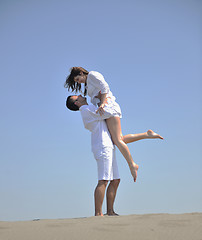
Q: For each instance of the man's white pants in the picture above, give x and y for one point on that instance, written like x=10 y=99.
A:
x=106 y=164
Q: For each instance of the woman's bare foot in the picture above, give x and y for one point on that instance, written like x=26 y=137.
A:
x=152 y=134
x=133 y=169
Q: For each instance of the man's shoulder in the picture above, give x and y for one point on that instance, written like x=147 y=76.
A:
x=88 y=114
x=86 y=108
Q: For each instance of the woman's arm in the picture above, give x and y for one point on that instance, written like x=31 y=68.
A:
x=103 y=101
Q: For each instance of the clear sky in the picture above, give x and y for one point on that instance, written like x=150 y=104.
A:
x=150 y=54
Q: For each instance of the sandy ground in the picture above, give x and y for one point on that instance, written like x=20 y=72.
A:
x=142 y=227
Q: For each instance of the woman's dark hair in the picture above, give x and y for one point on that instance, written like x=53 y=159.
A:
x=70 y=104
x=71 y=84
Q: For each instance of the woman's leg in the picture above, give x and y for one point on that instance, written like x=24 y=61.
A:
x=139 y=136
x=114 y=126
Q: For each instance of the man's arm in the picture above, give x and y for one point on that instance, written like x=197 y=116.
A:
x=89 y=113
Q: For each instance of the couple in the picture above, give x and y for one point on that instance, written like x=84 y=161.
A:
x=104 y=124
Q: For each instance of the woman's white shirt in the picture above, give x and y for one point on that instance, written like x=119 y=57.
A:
x=95 y=84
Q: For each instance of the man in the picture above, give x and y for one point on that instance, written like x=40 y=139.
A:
x=103 y=150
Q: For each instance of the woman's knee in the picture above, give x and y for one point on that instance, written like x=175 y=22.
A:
x=118 y=140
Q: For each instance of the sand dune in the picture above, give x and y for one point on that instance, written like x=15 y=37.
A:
x=142 y=227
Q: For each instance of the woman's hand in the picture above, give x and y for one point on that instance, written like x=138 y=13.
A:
x=101 y=110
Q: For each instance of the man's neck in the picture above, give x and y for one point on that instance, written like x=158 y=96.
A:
x=83 y=104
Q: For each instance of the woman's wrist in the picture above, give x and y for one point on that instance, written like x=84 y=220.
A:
x=103 y=98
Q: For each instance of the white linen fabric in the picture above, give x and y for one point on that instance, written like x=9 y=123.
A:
x=100 y=136
x=95 y=84
x=101 y=143
x=107 y=165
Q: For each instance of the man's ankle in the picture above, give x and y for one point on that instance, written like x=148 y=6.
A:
x=99 y=214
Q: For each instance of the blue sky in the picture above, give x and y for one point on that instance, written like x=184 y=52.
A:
x=150 y=54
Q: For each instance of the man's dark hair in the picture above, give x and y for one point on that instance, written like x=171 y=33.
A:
x=70 y=104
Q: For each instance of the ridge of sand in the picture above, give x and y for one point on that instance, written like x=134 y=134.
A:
x=142 y=227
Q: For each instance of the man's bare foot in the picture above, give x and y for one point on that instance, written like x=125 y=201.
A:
x=133 y=169
x=112 y=213
x=152 y=134
x=99 y=214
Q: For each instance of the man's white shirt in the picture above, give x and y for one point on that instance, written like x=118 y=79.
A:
x=100 y=136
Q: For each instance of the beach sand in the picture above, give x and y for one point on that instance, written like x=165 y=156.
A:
x=142 y=227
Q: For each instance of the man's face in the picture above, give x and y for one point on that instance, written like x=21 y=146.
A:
x=80 y=99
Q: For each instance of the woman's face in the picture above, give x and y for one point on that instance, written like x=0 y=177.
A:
x=80 y=78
